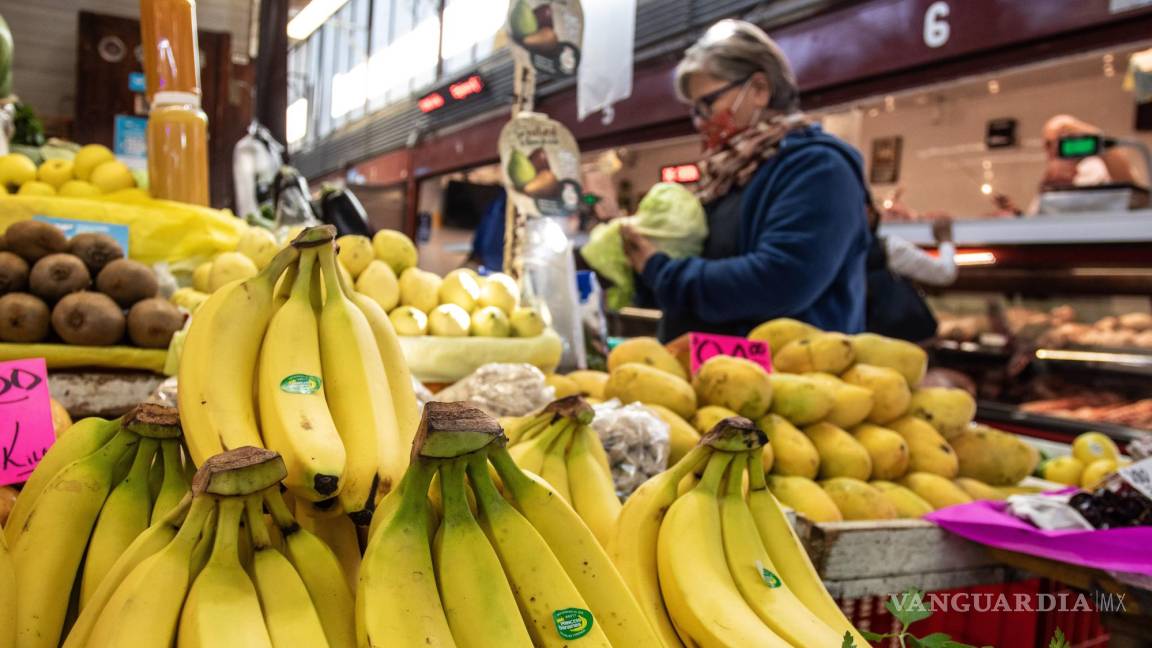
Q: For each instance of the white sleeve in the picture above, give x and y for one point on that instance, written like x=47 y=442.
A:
x=907 y=260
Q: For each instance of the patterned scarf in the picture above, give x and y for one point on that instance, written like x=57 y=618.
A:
x=735 y=162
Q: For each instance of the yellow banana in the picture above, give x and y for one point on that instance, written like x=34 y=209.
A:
x=7 y=597
x=633 y=547
x=222 y=608
x=473 y=588
x=698 y=590
x=83 y=438
x=203 y=549
x=584 y=560
x=553 y=609
x=757 y=578
x=596 y=446
x=154 y=539
x=174 y=485
x=294 y=415
x=397 y=601
x=339 y=533
x=289 y=613
x=789 y=555
x=124 y=516
x=554 y=469
x=320 y=570
x=218 y=365
x=526 y=427
x=358 y=397
x=48 y=553
x=399 y=377
x=530 y=454
x=593 y=494
x=145 y=607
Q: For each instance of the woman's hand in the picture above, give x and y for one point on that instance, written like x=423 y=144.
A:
x=637 y=246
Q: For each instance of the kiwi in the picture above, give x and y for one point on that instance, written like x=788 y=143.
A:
x=89 y=319
x=152 y=322
x=96 y=250
x=32 y=240
x=57 y=275
x=13 y=273
x=127 y=282
x=23 y=318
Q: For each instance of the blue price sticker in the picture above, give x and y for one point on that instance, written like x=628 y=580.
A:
x=71 y=227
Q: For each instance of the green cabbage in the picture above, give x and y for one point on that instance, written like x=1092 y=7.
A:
x=669 y=215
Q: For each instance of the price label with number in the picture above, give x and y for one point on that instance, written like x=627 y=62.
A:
x=1139 y=475
x=705 y=345
x=25 y=418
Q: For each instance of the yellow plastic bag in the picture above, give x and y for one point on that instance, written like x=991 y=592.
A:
x=159 y=230
x=448 y=359
x=67 y=356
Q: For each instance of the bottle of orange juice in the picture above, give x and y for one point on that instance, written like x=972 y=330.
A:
x=178 y=148
x=171 y=52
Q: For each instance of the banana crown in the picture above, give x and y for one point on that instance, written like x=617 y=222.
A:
x=153 y=420
x=735 y=434
x=243 y=471
x=450 y=430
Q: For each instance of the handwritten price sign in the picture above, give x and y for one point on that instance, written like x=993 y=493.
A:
x=706 y=345
x=25 y=418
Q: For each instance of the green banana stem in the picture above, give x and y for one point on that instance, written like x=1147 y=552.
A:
x=331 y=274
x=452 y=489
x=200 y=509
x=254 y=512
x=226 y=547
x=756 y=477
x=714 y=473
x=284 y=258
x=203 y=548
x=735 y=484
x=690 y=462
x=279 y=510
x=482 y=484
x=511 y=474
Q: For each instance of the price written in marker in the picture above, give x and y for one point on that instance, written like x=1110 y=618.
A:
x=26 y=430
x=705 y=345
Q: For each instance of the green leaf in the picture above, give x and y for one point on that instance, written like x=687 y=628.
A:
x=873 y=636
x=908 y=607
x=1059 y=640
x=848 y=641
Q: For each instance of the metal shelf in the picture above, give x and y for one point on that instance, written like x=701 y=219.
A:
x=1065 y=427
x=1114 y=227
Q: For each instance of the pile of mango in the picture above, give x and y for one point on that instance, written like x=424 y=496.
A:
x=852 y=434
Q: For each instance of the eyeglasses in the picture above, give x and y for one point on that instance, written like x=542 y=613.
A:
x=702 y=107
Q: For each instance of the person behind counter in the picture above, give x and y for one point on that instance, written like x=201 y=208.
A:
x=785 y=201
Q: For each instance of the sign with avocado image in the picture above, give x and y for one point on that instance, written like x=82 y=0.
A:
x=540 y=164
x=547 y=34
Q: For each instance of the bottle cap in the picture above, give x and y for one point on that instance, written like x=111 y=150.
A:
x=176 y=98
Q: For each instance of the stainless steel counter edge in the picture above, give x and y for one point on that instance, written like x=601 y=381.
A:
x=1114 y=227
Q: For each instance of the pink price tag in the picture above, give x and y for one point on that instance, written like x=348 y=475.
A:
x=706 y=345
x=26 y=430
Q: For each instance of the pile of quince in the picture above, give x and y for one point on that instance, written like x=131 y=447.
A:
x=94 y=171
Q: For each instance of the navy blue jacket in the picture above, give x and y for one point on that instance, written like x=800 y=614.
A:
x=803 y=241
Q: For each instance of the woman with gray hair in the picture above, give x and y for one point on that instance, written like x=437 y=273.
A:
x=785 y=201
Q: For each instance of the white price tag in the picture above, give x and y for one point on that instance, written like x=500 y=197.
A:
x=1139 y=475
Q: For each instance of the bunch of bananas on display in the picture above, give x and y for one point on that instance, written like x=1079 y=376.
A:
x=520 y=569
x=294 y=360
x=559 y=445
x=96 y=490
x=216 y=571
x=712 y=558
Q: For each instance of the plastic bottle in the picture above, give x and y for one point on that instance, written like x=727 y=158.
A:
x=178 y=148
x=171 y=51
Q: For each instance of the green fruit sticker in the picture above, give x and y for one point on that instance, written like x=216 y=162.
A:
x=572 y=623
x=770 y=579
x=300 y=384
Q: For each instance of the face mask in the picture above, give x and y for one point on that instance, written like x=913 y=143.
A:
x=721 y=125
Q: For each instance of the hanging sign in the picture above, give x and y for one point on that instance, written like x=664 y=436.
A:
x=547 y=34
x=540 y=166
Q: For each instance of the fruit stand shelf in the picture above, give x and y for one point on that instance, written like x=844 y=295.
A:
x=106 y=394
x=1010 y=418
x=877 y=558
x=1114 y=227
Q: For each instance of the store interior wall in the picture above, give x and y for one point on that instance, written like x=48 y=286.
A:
x=944 y=160
x=45 y=36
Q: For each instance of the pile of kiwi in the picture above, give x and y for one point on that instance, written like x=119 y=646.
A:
x=80 y=291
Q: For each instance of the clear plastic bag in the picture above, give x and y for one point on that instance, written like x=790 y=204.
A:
x=501 y=390
x=636 y=440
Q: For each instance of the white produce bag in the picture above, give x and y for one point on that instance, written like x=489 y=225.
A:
x=605 y=75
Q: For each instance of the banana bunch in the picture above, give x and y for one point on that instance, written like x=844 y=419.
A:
x=92 y=495
x=560 y=445
x=518 y=568
x=216 y=571
x=713 y=560
x=295 y=361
